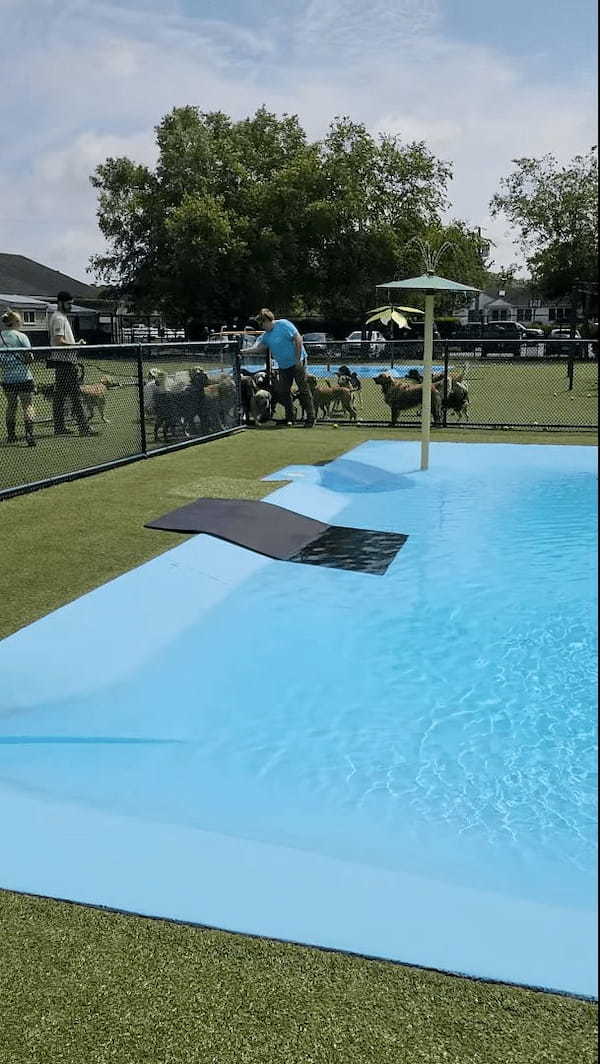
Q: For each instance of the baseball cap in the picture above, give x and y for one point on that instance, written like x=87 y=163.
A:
x=64 y=297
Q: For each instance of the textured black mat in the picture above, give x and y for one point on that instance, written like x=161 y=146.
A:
x=285 y=535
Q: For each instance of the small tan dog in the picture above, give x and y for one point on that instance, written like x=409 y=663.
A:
x=326 y=395
x=93 y=397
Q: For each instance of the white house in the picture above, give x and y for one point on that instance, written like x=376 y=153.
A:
x=36 y=312
x=514 y=304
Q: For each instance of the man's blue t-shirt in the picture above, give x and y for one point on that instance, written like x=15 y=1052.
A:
x=280 y=341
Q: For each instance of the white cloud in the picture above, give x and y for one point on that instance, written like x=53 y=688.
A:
x=98 y=78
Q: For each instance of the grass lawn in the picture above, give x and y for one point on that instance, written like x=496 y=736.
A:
x=84 y=986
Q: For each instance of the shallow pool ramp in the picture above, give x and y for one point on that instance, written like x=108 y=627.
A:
x=397 y=765
x=284 y=534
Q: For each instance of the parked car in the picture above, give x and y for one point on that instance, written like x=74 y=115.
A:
x=502 y=337
x=355 y=347
x=469 y=331
x=534 y=333
x=317 y=344
x=562 y=344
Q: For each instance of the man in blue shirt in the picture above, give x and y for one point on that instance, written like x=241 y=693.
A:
x=282 y=341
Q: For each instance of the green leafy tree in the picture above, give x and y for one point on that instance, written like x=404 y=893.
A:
x=554 y=209
x=238 y=214
x=375 y=194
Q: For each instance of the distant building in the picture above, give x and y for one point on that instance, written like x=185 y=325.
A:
x=36 y=313
x=514 y=304
x=31 y=288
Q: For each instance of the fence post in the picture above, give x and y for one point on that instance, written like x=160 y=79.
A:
x=140 y=377
x=444 y=401
x=237 y=376
x=570 y=371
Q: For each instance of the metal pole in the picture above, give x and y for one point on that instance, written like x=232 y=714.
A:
x=570 y=372
x=140 y=377
x=237 y=363
x=427 y=361
x=445 y=408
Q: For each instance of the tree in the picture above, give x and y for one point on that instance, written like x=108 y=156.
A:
x=198 y=236
x=239 y=214
x=376 y=195
x=554 y=209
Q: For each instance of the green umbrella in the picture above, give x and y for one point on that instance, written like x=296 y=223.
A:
x=430 y=284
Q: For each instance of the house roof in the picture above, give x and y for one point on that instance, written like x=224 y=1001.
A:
x=17 y=302
x=24 y=277
x=518 y=297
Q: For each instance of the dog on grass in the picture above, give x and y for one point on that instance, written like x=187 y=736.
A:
x=325 y=396
x=347 y=378
x=402 y=395
x=181 y=409
x=93 y=396
x=168 y=414
x=256 y=402
x=457 y=398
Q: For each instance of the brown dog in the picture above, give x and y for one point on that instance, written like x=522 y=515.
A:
x=326 y=395
x=400 y=395
x=93 y=396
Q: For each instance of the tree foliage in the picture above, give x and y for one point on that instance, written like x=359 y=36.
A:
x=555 y=211
x=236 y=215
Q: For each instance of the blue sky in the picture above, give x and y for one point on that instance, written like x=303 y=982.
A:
x=481 y=83
x=532 y=29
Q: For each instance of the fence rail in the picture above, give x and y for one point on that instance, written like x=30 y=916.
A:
x=110 y=407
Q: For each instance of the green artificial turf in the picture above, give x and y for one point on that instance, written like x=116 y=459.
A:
x=83 y=986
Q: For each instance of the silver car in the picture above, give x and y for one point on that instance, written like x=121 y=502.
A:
x=355 y=347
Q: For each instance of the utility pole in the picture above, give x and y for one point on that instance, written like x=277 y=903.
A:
x=483 y=250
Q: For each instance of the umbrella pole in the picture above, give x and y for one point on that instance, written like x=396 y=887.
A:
x=427 y=361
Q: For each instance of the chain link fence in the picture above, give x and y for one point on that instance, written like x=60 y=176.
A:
x=106 y=405
x=121 y=402
x=482 y=384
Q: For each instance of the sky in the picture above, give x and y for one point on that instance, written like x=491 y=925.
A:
x=481 y=83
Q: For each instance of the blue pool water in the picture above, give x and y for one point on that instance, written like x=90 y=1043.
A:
x=370 y=369
x=432 y=730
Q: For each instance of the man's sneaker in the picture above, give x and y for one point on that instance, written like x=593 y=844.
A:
x=63 y=432
x=88 y=432
x=309 y=424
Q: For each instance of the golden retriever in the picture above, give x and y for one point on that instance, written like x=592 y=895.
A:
x=93 y=396
x=325 y=396
x=402 y=395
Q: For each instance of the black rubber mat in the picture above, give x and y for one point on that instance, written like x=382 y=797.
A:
x=285 y=535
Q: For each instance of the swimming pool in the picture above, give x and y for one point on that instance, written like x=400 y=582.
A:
x=399 y=765
x=370 y=369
